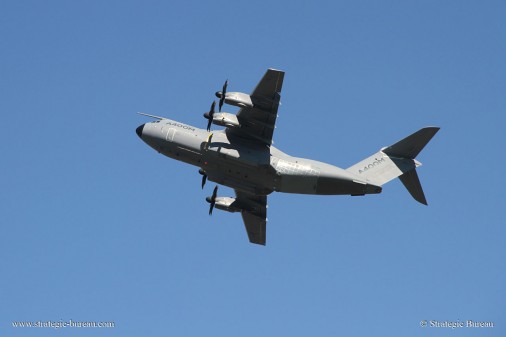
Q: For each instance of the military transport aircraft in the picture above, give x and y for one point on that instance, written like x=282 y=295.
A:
x=242 y=157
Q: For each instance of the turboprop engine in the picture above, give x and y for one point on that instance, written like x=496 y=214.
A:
x=220 y=118
x=228 y=204
x=225 y=204
x=226 y=119
x=239 y=99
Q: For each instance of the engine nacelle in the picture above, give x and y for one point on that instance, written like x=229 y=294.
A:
x=226 y=119
x=233 y=205
x=239 y=99
x=227 y=204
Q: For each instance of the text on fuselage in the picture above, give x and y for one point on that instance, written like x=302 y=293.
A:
x=375 y=163
x=179 y=125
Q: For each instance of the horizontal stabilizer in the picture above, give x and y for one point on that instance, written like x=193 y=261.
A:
x=411 y=146
x=412 y=183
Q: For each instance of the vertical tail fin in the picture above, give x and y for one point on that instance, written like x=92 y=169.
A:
x=397 y=160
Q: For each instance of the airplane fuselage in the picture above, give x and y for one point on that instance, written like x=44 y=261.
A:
x=247 y=166
x=242 y=157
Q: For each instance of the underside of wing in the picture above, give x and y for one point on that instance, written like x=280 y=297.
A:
x=254 y=215
x=256 y=227
x=258 y=122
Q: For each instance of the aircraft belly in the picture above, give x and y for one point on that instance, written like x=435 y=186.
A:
x=340 y=182
x=230 y=173
x=298 y=184
x=303 y=176
x=296 y=177
x=226 y=168
x=183 y=154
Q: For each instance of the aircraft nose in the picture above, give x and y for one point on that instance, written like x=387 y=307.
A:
x=138 y=131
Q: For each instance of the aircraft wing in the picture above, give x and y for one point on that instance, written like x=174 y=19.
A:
x=255 y=217
x=258 y=122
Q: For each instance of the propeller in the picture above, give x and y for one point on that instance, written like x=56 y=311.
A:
x=204 y=177
x=209 y=115
x=221 y=94
x=212 y=199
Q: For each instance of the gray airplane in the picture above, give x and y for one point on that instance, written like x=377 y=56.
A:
x=242 y=157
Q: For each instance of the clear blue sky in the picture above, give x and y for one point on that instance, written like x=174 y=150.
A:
x=96 y=226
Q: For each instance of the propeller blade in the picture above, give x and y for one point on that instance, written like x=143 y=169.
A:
x=212 y=200
x=209 y=116
x=223 y=93
x=203 y=173
x=204 y=178
x=225 y=87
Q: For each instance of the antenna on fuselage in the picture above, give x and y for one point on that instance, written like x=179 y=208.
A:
x=152 y=116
